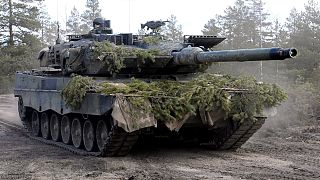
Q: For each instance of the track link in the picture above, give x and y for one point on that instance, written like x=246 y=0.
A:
x=119 y=143
x=242 y=134
x=64 y=146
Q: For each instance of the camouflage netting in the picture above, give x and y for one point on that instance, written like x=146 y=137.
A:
x=76 y=90
x=109 y=51
x=152 y=40
x=172 y=101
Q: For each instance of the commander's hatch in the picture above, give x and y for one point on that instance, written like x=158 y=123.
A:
x=201 y=40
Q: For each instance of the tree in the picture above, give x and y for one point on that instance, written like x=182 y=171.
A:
x=74 y=22
x=245 y=26
x=92 y=11
x=304 y=29
x=20 y=23
x=172 y=30
x=12 y=59
x=18 y=19
x=48 y=33
x=261 y=34
x=212 y=28
x=51 y=32
x=280 y=36
x=236 y=25
x=142 y=31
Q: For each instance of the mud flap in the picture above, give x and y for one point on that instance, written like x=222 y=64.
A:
x=129 y=118
x=176 y=125
x=210 y=118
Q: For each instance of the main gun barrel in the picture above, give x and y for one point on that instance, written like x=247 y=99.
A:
x=195 y=55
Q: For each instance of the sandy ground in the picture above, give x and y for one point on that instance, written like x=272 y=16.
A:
x=285 y=151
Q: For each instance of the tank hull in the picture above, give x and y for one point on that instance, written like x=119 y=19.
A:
x=44 y=93
x=92 y=130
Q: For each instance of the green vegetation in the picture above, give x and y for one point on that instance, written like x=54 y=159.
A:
x=19 y=43
x=14 y=59
x=172 y=100
x=172 y=30
x=115 y=54
x=151 y=40
x=76 y=90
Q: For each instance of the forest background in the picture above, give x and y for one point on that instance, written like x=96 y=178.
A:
x=26 y=28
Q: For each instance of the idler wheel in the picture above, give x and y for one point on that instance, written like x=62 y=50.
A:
x=35 y=123
x=101 y=134
x=66 y=130
x=88 y=136
x=76 y=133
x=55 y=127
x=45 y=125
x=22 y=110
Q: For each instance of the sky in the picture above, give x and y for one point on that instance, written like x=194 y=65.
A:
x=127 y=15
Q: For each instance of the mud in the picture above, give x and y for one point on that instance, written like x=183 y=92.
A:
x=289 y=152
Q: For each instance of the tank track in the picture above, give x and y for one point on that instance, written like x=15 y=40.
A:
x=242 y=134
x=119 y=143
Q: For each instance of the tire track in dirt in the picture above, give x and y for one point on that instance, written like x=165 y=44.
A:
x=290 y=153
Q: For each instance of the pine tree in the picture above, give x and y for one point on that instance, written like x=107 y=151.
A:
x=92 y=11
x=236 y=26
x=74 y=23
x=18 y=21
x=48 y=27
x=51 y=32
x=172 y=30
x=212 y=28
x=261 y=34
x=241 y=24
x=304 y=29
x=280 y=36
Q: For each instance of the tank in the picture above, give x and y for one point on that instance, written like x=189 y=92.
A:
x=100 y=124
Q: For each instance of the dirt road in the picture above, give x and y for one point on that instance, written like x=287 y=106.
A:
x=289 y=152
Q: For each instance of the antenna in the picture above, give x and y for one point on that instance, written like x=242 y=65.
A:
x=57 y=11
x=65 y=13
x=129 y=15
x=58 y=41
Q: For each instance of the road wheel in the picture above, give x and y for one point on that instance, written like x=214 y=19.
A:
x=55 y=127
x=89 y=139
x=45 y=125
x=101 y=134
x=66 y=130
x=76 y=133
x=35 y=125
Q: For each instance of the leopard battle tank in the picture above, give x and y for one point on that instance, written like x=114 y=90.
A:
x=105 y=123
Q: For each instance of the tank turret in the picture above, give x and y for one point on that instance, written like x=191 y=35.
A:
x=101 y=53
